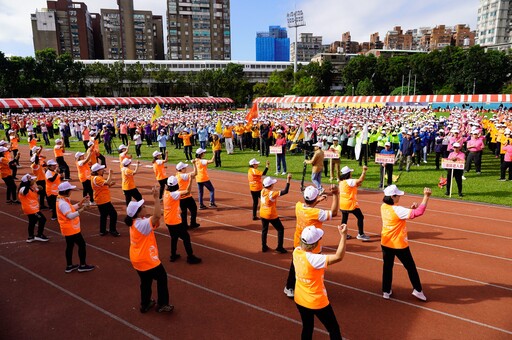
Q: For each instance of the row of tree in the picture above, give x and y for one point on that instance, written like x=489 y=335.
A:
x=449 y=71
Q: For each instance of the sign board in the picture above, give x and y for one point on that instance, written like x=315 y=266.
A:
x=384 y=158
x=448 y=164
x=276 y=150
x=329 y=154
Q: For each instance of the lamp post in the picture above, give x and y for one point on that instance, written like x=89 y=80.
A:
x=474 y=85
x=295 y=20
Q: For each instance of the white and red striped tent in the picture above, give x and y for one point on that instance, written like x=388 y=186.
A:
x=42 y=103
x=449 y=98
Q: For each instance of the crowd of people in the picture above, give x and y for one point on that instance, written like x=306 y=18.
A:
x=326 y=137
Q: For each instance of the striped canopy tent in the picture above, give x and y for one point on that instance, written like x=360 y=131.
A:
x=43 y=103
x=454 y=98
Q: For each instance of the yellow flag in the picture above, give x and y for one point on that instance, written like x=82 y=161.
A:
x=157 y=113
x=218 y=127
x=115 y=123
x=299 y=135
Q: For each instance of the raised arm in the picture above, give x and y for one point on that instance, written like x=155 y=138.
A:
x=340 y=252
x=157 y=211
x=360 y=180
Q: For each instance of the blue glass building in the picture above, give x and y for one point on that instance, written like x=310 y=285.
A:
x=273 y=45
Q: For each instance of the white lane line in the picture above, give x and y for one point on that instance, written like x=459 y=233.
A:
x=79 y=298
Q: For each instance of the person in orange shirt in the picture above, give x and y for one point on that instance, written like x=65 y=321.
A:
x=6 y=173
x=308 y=214
x=101 y=192
x=14 y=140
x=144 y=254
x=239 y=131
x=228 y=138
x=128 y=182
x=348 y=200
x=58 y=151
x=68 y=216
x=32 y=141
x=52 y=178
x=159 y=170
x=84 y=173
x=255 y=184
x=187 y=144
x=172 y=217
x=268 y=212
x=187 y=202
x=310 y=293
x=202 y=178
x=217 y=149
x=394 y=241
x=38 y=169
x=28 y=196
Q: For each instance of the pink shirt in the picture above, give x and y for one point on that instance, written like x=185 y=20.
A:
x=456 y=156
x=508 y=153
x=475 y=145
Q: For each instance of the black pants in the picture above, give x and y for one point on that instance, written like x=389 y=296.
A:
x=33 y=219
x=504 y=167
x=218 y=162
x=179 y=231
x=363 y=155
x=474 y=157
x=255 y=201
x=188 y=152
x=11 y=188
x=290 y=282
x=124 y=138
x=386 y=169
x=188 y=204
x=132 y=193
x=42 y=193
x=87 y=189
x=278 y=225
x=63 y=166
x=162 y=183
x=405 y=256
x=457 y=174
x=326 y=317
x=107 y=210
x=70 y=244
x=137 y=150
x=52 y=201
x=358 y=214
x=146 y=280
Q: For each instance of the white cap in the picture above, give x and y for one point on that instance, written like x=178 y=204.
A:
x=3 y=149
x=64 y=186
x=28 y=178
x=253 y=161
x=200 y=151
x=121 y=147
x=35 y=149
x=387 y=144
x=279 y=131
x=324 y=138
x=311 y=235
x=132 y=207
x=58 y=140
x=156 y=153
x=318 y=144
x=180 y=166
x=79 y=154
x=127 y=161
x=97 y=166
x=3 y=142
x=455 y=130
x=392 y=190
x=172 y=180
x=335 y=138
x=268 y=181
x=91 y=143
x=51 y=162
x=456 y=145
x=345 y=170
x=310 y=193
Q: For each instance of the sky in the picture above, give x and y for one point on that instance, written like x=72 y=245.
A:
x=327 y=18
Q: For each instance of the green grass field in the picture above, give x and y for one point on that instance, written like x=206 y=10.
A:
x=479 y=188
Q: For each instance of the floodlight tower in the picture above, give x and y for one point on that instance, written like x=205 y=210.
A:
x=295 y=20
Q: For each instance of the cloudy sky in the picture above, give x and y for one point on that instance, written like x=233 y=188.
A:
x=328 y=18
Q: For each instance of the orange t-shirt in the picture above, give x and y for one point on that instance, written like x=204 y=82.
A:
x=216 y=145
x=172 y=211
x=186 y=139
x=143 y=247
x=84 y=170
x=101 y=191
x=254 y=177
x=29 y=202
x=128 y=181
x=227 y=133
x=268 y=201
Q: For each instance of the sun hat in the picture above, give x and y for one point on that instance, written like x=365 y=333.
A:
x=311 y=235
x=253 y=161
x=268 y=181
x=97 y=166
x=180 y=166
x=392 y=190
x=200 y=151
x=79 y=154
x=345 y=170
x=133 y=207
x=156 y=153
x=64 y=186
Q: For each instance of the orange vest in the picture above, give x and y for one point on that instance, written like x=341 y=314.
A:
x=348 y=196
x=128 y=182
x=14 y=143
x=309 y=291
x=101 y=191
x=254 y=177
x=394 y=229
x=159 y=169
x=143 y=249
x=38 y=171
x=172 y=211
x=307 y=216
x=216 y=145
x=52 y=188
x=84 y=171
x=29 y=202
x=58 y=151
x=67 y=227
x=186 y=139
x=32 y=143
x=183 y=184
x=4 y=167
x=202 y=171
x=268 y=200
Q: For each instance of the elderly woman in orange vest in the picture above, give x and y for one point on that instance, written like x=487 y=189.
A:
x=101 y=191
x=52 y=178
x=394 y=240
x=203 y=180
x=348 y=200
x=159 y=170
x=144 y=254
x=7 y=177
x=172 y=217
x=255 y=184
x=58 y=151
x=29 y=198
x=38 y=169
x=217 y=149
x=187 y=202
x=310 y=293
x=68 y=216
x=128 y=182
x=84 y=172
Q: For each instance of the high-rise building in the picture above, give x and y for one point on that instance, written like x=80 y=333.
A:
x=307 y=47
x=397 y=40
x=198 y=30
x=65 y=26
x=494 y=23
x=440 y=37
x=273 y=45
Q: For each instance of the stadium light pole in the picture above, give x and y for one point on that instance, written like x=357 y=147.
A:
x=295 y=20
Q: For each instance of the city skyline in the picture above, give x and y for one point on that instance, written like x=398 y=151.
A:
x=328 y=18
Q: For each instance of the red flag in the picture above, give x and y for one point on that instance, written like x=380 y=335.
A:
x=253 y=113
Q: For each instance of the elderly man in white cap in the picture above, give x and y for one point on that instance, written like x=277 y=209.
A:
x=101 y=194
x=202 y=178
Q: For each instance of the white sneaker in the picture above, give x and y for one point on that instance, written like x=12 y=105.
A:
x=276 y=173
x=283 y=173
x=364 y=237
x=387 y=295
x=463 y=178
x=419 y=295
x=289 y=292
